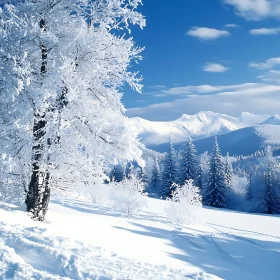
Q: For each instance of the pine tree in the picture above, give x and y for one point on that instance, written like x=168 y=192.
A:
x=215 y=191
x=141 y=174
x=228 y=171
x=199 y=179
x=117 y=174
x=170 y=172
x=248 y=194
x=156 y=181
x=128 y=170
x=271 y=199
x=189 y=165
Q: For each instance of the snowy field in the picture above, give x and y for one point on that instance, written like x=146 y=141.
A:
x=83 y=241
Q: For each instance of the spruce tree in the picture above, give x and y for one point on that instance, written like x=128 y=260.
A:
x=199 y=178
x=248 y=194
x=128 y=170
x=170 y=172
x=228 y=172
x=156 y=181
x=189 y=169
x=215 y=190
x=117 y=173
x=271 y=199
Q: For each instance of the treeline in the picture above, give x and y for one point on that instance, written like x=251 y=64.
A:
x=247 y=184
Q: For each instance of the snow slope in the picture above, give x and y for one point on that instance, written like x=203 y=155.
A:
x=203 y=124
x=83 y=241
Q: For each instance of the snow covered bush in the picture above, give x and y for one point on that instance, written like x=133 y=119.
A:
x=184 y=202
x=128 y=196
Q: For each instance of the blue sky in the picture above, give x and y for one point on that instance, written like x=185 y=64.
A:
x=218 y=55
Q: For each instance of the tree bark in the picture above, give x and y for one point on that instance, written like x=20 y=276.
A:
x=38 y=195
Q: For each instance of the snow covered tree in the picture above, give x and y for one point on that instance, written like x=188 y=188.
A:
x=169 y=175
x=128 y=195
x=216 y=188
x=189 y=168
x=62 y=65
x=228 y=171
x=271 y=201
x=156 y=181
x=128 y=170
x=248 y=193
x=184 y=199
x=117 y=173
x=203 y=171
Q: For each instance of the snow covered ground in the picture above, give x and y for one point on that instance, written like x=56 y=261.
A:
x=83 y=241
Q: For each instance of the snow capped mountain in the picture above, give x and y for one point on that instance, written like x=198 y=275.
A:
x=200 y=125
x=251 y=119
x=273 y=120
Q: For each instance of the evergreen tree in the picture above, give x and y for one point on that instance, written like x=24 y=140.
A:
x=215 y=191
x=117 y=174
x=189 y=165
x=141 y=173
x=228 y=172
x=170 y=172
x=248 y=194
x=199 y=178
x=128 y=170
x=271 y=199
x=156 y=181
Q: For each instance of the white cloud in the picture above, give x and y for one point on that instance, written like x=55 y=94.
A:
x=256 y=9
x=203 y=89
x=215 y=68
x=257 y=98
x=271 y=76
x=268 y=64
x=265 y=31
x=231 y=25
x=205 y=33
x=157 y=87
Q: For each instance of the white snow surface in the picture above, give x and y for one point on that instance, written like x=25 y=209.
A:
x=80 y=240
x=200 y=125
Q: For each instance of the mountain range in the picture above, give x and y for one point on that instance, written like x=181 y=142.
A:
x=241 y=135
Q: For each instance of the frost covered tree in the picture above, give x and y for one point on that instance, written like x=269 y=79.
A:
x=128 y=170
x=228 y=171
x=216 y=188
x=263 y=191
x=169 y=175
x=117 y=173
x=271 y=201
x=62 y=64
x=156 y=180
x=183 y=202
x=203 y=171
x=128 y=195
x=248 y=194
x=189 y=168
